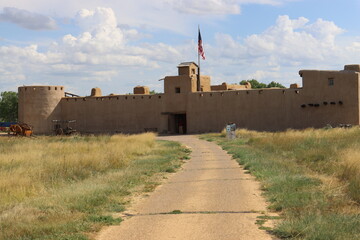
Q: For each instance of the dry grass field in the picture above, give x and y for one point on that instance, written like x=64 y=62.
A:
x=334 y=153
x=311 y=177
x=68 y=187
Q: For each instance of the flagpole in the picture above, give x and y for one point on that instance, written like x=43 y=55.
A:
x=198 y=77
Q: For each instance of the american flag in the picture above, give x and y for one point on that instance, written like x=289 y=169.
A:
x=200 y=47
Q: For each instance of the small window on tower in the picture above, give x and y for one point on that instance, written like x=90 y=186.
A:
x=193 y=71
x=177 y=90
x=331 y=82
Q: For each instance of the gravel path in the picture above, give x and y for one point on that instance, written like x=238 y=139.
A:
x=215 y=200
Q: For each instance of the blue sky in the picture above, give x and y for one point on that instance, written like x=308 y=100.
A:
x=116 y=45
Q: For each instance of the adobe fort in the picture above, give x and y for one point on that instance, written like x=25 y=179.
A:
x=326 y=97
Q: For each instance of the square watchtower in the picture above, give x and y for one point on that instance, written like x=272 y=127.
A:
x=186 y=81
x=188 y=68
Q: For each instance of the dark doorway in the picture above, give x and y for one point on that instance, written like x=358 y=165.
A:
x=180 y=123
x=177 y=124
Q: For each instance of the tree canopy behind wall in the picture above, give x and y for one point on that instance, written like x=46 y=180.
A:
x=255 y=84
x=8 y=107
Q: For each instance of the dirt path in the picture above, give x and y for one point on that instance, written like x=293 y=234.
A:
x=216 y=198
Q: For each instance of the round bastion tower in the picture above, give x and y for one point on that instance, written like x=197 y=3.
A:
x=39 y=105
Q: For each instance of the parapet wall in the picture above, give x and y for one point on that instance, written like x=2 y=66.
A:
x=269 y=110
x=224 y=86
x=274 y=109
x=116 y=114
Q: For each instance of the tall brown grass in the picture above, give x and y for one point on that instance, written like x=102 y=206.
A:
x=28 y=167
x=66 y=187
x=350 y=171
x=333 y=152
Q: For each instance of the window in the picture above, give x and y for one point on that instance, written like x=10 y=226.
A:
x=177 y=90
x=331 y=82
x=193 y=71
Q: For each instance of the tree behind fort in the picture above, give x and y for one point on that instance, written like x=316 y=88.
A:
x=8 y=107
x=255 y=84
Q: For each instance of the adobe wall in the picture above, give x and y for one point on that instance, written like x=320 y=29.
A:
x=339 y=103
x=39 y=105
x=141 y=90
x=177 y=102
x=252 y=109
x=314 y=105
x=116 y=114
x=225 y=86
x=327 y=97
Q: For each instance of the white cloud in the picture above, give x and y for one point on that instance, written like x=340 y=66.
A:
x=295 y=40
x=13 y=54
x=103 y=51
x=324 y=31
x=100 y=52
x=281 y=50
x=145 y=13
x=288 y=41
x=207 y=7
x=262 y=75
x=27 y=19
x=100 y=19
x=103 y=42
x=267 y=2
x=218 y=7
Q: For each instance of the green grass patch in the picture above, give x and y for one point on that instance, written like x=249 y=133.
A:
x=106 y=220
x=310 y=177
x=176 y=212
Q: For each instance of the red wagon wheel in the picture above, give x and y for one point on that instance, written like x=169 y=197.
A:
x=16 y=129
